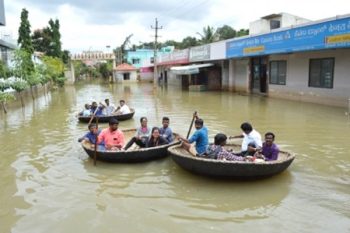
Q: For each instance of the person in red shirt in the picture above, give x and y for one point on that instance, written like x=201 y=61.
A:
x=112 y=137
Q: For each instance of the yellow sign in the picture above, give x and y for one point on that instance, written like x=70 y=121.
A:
x=254 y=49
x=338 y=39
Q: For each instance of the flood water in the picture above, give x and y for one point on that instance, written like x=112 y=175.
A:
x=48 y=183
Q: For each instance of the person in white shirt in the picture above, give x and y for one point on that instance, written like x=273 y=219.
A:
x=251 y=139
x=108 y=108
x=122 y=109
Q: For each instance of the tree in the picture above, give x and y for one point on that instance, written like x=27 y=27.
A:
x=242 y=32
x=188 y=42
x=25 y=42
x=65 y=56
x=24 y=39
x=225 y=32
x=55 y=46
x=208 y=35
x=41 y=40
x=4 y=98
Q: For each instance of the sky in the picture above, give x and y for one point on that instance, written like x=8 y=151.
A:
x=101 y=25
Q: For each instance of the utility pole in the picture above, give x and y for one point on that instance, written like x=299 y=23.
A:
x=155 y=52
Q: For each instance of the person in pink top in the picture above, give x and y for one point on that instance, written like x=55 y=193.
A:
x=112 y=137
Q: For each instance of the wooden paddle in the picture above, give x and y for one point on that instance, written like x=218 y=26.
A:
x=93 y=115
x=96 y=137
x=189 y=130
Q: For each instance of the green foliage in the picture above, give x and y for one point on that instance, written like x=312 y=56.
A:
x=225 y=32
x=19 y=84
x=4 y=84
x=66 y=56
x=55 y=45
x=4 y=70
x=208 y=35
x=105 y=69
x=54 y=68
x=24 y=39
x=41 y=39
x=5 y=97
x=23 y=64
x=188 y=42
x=242 y=32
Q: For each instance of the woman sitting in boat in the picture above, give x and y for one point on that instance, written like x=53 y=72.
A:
x=155 y=139
x=142 y=134
x=112 y=137
x=217 y=150
x=269 y=150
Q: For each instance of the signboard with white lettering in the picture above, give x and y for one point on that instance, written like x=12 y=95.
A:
x=200 y=53
x=325 y=35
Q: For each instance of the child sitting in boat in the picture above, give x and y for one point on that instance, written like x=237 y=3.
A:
x=155 y=139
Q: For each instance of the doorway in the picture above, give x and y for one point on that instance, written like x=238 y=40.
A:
x=258 y=75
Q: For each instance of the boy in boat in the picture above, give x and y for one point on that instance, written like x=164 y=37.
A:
x=112 y=137
x=165 y=131
x=200 y=137
x=91 y=135
x=142 y=134
x=251 y=139
x=122 y=109
x=269 y=150
x=86 y=111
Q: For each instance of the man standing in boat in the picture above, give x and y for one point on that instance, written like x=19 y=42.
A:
x=200 y=137
x=251 y=139
x=112 y=137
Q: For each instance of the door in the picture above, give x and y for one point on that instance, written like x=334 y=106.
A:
x=258 y=78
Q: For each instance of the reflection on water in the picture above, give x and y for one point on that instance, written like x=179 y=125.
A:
x=50 y=185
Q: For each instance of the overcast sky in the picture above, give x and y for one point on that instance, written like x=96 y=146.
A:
x=94 y=24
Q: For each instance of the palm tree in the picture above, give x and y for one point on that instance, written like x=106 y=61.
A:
x=208 y=35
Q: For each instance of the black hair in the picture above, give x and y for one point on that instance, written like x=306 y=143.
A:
x=270 y=133
x=199 y=121
x=219 y=138
x=141 y=119
x=91 y=125
x=106 y=100
x=246 y=127
x=165 y=119
x=122 y=101
x=113 y=121
x=153 y=129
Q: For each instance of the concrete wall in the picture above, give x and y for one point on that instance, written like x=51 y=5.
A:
x=297 y=79
x=225 y=75
x=239 y=75
x=118 y=76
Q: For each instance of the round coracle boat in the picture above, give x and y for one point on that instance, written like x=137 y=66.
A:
x=230 y=169
x=104 y=119
x=133 y=155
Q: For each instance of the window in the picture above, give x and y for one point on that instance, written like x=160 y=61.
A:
x=278 y=72
x=135 y=61
x=321 y=72
x=126 y=76
x=275 y=24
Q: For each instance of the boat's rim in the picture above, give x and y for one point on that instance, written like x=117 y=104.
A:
x=290 y=156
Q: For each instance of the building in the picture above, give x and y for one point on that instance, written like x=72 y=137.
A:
x=125 y=73
x=285 y=56
x=6 y=42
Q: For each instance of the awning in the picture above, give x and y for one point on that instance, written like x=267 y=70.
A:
x=190 y=69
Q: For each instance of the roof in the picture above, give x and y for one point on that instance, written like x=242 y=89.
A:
x=125 y=67
x=190 y=69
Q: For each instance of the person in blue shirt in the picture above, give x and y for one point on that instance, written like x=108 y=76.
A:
x=96 y=110
x=165 y=131
x=200 y=137
x=91 y=135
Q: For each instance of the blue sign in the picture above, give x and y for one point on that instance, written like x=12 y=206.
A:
x=330 y=34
